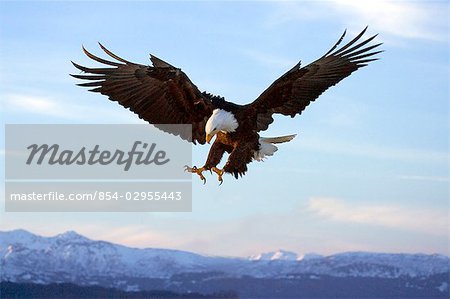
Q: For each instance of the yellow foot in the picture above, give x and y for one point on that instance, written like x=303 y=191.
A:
x=219 y=173
x=196 y=170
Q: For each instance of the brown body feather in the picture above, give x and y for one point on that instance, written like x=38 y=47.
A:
x=241 y=145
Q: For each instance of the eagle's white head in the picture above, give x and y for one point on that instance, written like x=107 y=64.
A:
x=220 y=120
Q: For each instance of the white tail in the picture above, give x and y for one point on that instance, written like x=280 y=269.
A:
x=280 y=139
x=267 y=147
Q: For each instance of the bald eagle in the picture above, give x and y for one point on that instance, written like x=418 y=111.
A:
x=163 y=94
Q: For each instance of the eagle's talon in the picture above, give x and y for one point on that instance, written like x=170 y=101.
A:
x=219 y=173
x=192 y=169
x=196 y=170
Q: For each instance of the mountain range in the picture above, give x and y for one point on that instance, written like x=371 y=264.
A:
x=72 y=258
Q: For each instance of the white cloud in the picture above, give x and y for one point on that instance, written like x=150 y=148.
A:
x=138 y=236
x=37 y=105
x=439 y=179
x=269 y=60
x=298 y=230
x=48 y=106
x=428 y=221
x=405 y=19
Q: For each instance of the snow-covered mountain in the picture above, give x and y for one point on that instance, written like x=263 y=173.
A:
x=70 y=257
x=280 y=254
x=283 y=255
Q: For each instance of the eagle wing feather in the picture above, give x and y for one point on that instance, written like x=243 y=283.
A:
x=160 y=94
x=296 y=89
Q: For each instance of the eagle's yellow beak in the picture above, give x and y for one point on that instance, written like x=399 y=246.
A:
x=209 y=137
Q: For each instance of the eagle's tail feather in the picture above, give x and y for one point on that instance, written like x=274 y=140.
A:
x=267 y=147
x=280 y=139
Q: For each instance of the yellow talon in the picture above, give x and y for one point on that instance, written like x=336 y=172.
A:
x=219 y=173
x=196 y=170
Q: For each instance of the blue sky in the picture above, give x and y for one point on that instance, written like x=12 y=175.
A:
x=369 y=169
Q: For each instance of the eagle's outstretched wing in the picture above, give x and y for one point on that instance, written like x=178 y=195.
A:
x=296 y=89
x=159 y=94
